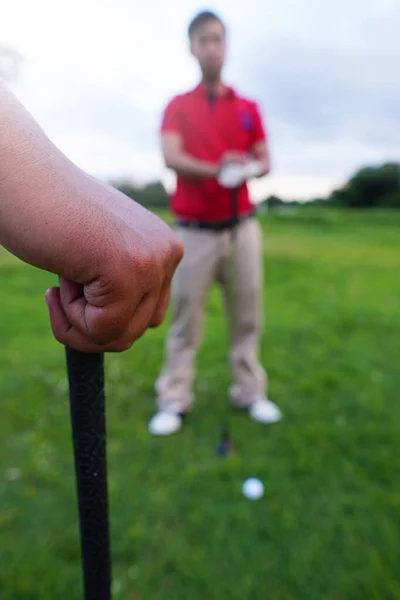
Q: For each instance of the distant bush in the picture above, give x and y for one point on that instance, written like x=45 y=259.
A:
x=274 y=202
x=152 y=195
x=370 y=187
x=390 y=201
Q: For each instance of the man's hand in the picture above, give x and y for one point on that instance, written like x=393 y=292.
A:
x=115 y=259
x=131 y=289
x=235 y=169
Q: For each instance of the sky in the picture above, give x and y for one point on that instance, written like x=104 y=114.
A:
x=97 y=74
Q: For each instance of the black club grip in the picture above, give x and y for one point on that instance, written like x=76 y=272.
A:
x=88 y=418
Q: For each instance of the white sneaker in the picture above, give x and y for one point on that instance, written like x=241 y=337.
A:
x=264 y=411
x=165 y=423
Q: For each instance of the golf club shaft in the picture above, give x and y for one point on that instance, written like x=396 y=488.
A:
x=87 y=404
x=226 y=428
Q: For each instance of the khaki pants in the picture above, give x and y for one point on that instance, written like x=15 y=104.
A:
x=207 y=259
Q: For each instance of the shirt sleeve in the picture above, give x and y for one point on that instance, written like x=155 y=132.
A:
x=259 y=131
x=172 y=117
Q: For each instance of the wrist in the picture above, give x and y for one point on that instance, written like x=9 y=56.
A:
x=212 y=170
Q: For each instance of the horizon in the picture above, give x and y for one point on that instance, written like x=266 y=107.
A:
x=329 y=97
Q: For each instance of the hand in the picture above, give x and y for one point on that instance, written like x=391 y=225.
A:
x=233 y=158
x=115 y=259
x=132 y=289
x=236 y=168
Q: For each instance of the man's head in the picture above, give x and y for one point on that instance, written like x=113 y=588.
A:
x=207 y=43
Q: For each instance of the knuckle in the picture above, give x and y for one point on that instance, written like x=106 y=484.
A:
x=59 y=333
x=138 y=330
x=171 y=256
x=59 y=336
x=127 y=341
x=177 y=250
x=146 y=272
x=124 y=345
x=139 y=333
x=157 y=320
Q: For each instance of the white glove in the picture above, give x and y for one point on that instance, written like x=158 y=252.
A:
x=233 y=175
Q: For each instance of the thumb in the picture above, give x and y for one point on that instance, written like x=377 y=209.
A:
x=63 y=331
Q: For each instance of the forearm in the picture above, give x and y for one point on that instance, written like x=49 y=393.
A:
x=265 y=165
x=47 y=204
x=187 y=166
x=260 y=152
x=265 y=168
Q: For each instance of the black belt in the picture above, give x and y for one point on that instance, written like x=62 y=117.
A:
x=213 y=225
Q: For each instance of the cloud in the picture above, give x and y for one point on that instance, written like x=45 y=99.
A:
x=332 y=101
x=323 y=92
x=97 y=76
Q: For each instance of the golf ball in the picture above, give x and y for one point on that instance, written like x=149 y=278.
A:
x=253 y=488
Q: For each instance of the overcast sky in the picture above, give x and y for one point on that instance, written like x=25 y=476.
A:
x=97 y=74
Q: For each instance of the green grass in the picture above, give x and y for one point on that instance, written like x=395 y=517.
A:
x=328 y=526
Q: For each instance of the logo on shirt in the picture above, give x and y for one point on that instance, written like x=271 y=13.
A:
x=246 y=121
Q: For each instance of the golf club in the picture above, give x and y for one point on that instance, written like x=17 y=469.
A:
x=232 y=176
x=88 y=419
x=225 y=445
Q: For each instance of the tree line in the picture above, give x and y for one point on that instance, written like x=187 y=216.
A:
x=369 y=187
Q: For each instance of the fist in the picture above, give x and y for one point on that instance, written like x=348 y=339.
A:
x=117 y=283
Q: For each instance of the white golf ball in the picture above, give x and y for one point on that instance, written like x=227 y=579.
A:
x=253 y=488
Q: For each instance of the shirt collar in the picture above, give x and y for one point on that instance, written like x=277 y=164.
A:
x=227 y=91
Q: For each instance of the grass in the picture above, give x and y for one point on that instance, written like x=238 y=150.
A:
x=328 y=525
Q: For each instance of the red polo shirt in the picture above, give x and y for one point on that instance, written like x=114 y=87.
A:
x=209 y=128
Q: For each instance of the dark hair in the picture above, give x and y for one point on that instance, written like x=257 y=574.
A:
x=200 y=19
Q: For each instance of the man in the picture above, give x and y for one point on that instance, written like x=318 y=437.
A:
x=203 y=130
x=115 y=259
